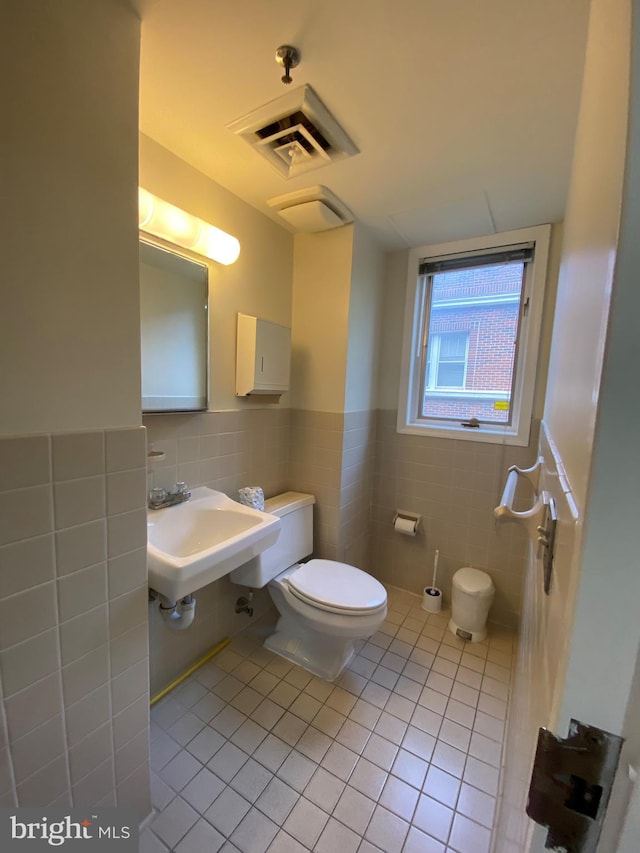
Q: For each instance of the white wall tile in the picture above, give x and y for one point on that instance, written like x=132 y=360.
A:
x=127 y=572
x=27 y=613
x=125 y=448
x=82 y=591
x=87 y=714
x=24 y=461
x=46 y=785
x=34 y=705
x=27 y=563
x=25 y=513
x=90 y=752
x=126 y=532
x=28 y=662
x=77 y=455
x=83 y=634
x=85 y=675
x=41 y=746
x=80 y=547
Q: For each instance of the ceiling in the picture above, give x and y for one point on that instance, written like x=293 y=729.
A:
x=464 y=111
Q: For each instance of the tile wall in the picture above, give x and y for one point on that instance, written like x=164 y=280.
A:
x=315 y=466
x=332 y=457
x=225 y=451
x=74 y=713
x=538 y=666
x=454 y=486
x=356 y=487
x=327 y=454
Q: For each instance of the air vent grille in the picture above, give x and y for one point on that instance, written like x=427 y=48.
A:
x=296 y=133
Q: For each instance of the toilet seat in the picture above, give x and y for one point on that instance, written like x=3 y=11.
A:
x=337 y=588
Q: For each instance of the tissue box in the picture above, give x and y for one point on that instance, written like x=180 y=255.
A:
x=252 y=496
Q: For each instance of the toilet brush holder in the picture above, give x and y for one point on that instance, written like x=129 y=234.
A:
x=432 y=599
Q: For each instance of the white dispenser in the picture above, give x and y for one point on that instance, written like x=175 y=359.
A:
x=263 y=357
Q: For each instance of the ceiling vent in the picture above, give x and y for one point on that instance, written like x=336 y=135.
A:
x=311 y=210
x=296 y=133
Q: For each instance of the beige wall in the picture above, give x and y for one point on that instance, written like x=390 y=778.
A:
x=259 y=283
x=592 y=463
x=70 y=315
x=365 y=315
x=453 y=485
x=589 y=246
x=587 y=425
x=609 y=581
x=320 y=312
x=73 y=643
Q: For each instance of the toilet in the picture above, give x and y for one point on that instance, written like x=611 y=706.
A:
x=472 y=595
x=325 y=607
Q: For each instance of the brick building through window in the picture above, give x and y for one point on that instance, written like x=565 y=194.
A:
x=470 y=342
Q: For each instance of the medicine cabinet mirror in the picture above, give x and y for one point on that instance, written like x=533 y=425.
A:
x=174 y=323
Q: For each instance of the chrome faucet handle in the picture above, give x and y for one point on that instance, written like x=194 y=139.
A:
x=157 y=495
x=180 y=488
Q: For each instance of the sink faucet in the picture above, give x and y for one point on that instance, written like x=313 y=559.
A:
x=161 y=498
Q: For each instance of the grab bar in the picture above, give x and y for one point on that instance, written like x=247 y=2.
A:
x=540 y=520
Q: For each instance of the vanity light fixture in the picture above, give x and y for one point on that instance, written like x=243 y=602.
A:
x=170 y=223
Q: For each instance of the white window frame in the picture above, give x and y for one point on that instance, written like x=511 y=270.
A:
x=516 y=432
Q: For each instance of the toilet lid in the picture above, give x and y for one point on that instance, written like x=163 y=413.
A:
x=473 y=581
x=337 y=587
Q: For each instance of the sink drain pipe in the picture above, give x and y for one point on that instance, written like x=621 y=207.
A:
x=177 y=614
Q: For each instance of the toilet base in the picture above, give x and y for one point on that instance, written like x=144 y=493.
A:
x=320 y=654
x=470 y=636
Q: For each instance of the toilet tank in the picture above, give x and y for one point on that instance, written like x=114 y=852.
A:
x=295 y=511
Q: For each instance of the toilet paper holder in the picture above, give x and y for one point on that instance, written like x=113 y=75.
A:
x=406 y=522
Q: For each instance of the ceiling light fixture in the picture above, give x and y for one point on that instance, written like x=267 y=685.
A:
x=288 y=57
x=170 y=223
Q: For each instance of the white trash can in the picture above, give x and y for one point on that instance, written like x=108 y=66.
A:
x=471 y=597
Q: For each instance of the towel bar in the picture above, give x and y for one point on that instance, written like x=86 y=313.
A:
x=540 y=520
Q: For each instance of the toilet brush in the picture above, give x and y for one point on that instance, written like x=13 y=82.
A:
x=432 y=596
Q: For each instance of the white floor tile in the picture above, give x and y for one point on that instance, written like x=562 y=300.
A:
x=336 y=836
x=254 y=833
x=297 y=770
x=227 y=811
x=401 y=755
x=433 y=817
x=354 y=809
x=202 y=790
x=324 y=789
x=251 y=780
x=174 y=822
x=277 y=800
x=201 y=837
x=399 y=798
x=387 y=830
x=306 y=822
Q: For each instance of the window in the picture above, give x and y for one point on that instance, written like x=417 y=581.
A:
x=472 y=325
x=446 y=362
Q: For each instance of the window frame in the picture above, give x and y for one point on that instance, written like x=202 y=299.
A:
x=526 y=361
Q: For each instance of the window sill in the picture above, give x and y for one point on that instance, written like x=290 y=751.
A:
x=498 y=435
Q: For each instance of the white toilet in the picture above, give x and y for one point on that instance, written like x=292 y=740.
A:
x=325 y=607
x=471 y=597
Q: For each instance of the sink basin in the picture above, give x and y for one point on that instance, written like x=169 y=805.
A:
x=194 y=543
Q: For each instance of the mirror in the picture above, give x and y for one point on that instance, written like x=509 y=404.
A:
x=173 y=320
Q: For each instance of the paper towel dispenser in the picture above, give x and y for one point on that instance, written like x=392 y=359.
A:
x=263 y=357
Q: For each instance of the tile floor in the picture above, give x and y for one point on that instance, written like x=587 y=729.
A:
x=402 y=753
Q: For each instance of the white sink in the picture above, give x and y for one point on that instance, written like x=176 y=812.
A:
x=194 y=543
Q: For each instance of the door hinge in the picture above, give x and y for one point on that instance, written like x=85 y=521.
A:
x=571 y=784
